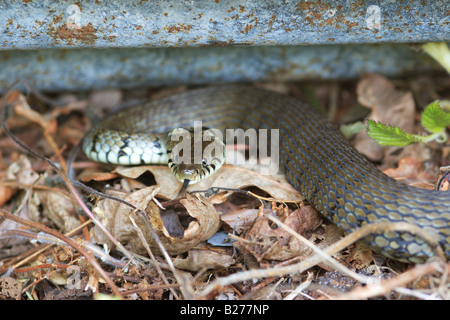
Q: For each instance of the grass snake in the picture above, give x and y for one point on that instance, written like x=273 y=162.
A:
x=340 y=182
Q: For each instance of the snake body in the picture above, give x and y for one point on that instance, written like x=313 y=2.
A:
x=341 y=183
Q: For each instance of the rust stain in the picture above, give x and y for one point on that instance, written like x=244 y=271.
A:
x=58 y=19
x=351 y=25
x=181 y=27
x=271 y=21
x=247 y=28
x=111 y=38
x=27 y=1
x=85 y=34
x=250 y=26
x=314 y=6
x=313 y=12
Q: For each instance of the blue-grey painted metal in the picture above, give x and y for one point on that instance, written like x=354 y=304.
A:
x=37 y=24
x=86 y=69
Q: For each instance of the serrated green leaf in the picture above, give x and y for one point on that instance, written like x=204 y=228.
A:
x=390 y=136
x=434 y=119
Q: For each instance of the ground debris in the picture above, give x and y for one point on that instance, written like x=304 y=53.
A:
x=264 y=260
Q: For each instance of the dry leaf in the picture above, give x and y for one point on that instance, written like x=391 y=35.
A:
x=10 y=288
x=19 y=172
x=56 y=206
x=200 y=222
x=197 y=260
x=169 y=184
x=91 y=174
x=208 y=220
x=330 y=234
x=388 y=106
x=59 y=208
x=5 y=192
x=227 y=177
x=265 y=242
x=411 y=170
x=361 y=256
x=47 y=122
x=240 y=219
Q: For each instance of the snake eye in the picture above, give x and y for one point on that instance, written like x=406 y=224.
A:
x=204 y=162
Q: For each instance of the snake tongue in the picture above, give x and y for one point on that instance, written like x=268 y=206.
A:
x=182 y=191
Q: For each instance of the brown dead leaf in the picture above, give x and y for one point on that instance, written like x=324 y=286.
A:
x=169 y=184
x=197 y=260
x=22 y=108
x=208 y=220
x=201 y=222
x=10 y=288
x=5 y=192
x=59 y=208
x=388 y=106
x=226 y=177
x=265 y=242
x=21 y=173
x=70 y=132
x=90 y=174
x=360 y=256
x=240 y=220
x=410 y=170
x=330 y=234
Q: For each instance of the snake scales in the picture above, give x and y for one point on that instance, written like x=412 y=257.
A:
x=318 y=161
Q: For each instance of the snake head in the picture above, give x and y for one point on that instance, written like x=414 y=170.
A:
x=184 y=161
x=196 y=172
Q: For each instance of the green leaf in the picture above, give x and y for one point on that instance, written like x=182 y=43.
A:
x=440 y=52
x=390 y=136
x=434 y=119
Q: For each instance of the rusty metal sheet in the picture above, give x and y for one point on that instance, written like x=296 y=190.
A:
x=38 y=24
x=87 y=69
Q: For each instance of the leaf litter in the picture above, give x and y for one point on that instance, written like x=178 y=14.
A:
x=259 y=246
